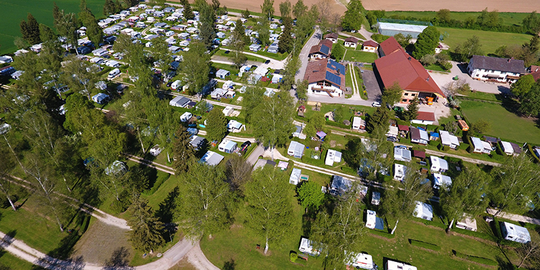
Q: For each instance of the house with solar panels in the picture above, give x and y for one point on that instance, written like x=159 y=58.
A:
x=321 y=50
x=326 y=77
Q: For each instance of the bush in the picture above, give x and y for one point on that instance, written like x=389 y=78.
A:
x=379 y=38
x=435 y=143
x=293 y=256
x=445 y=148
x=425 y=245
x=476 y=259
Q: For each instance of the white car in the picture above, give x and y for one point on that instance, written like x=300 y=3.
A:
x=376 y=104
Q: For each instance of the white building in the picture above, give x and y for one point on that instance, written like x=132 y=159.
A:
x=480 y=146
x=402 y=153
x=515 y=233
x=227 y=146
x=307 y=247
x=399 y=172
x=358 y=123
x=449 y=139
x=295 y=176
x=495 y=69
x=440 y=180
x=362 y=261
x=438 y=165
x=423 y=211
x=332 y=156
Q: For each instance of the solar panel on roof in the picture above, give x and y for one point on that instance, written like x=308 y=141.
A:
x=336 y=66
x=335 y=79
x=325 y=49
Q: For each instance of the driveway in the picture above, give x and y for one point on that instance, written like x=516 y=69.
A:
x=373 y=88
x=443 y=79
x=313 y=40
x=255 y=154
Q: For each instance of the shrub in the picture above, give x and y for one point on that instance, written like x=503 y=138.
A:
x=293 y=256
x=476 y=259
x=434 y=143
x=379 y=38
x=445 y=148
x=425 y=245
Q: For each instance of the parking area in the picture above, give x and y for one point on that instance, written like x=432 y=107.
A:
x=373 y=88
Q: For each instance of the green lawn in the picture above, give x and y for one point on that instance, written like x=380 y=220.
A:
x=508 y=18
x=504 y=124
x=359 y=56
x=231 y=53
x=490 y=40
x=13 y=11
x=14 y=263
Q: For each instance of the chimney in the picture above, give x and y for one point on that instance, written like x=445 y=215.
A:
x=409 y=58
x=427 y=79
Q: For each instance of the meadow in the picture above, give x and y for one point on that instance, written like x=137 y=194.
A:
x=508 y=18
x=490 y=40
x=14 y=11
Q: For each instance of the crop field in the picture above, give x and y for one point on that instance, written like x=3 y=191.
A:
x=456 y=5
x=508 y=18
x=14 y=11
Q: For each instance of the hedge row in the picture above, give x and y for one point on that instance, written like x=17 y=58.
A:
x=474 y=234
x=481 y=260
x=382 y=233
x=424 y=245
x=432 y=223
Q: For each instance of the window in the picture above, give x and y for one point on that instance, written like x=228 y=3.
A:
x=412 y=95
x=404 y=100
x=406 y=94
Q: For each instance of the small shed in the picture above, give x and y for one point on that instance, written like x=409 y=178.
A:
x=222 y=73
x=295 y=176
x=283 y=165
x=434 y=136
x=491 y=140
x=423 y=211
x=296 y=149
x=403 y=130
x=438 y=164
x=227 y=146
x=321 y=134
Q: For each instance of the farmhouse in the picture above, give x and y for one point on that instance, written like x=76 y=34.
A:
x=325 y=77
x=396 y=66
x=392 y=29
x=321 y=50
x=351 y=42
x=503 y=70
x=370 y=46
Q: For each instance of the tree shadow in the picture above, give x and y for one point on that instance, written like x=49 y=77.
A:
x=167 y=207
x=119 y=260
x=505 y=264
x=229 y=265
x=6 y=241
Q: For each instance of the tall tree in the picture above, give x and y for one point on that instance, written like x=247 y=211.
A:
x=6 y=166
x=46 y=34
x=205 y=205
x=263 y=28
x=146 y=228
x=412 y=110
x=443 y=15
x=93 y=30
x=289 y=72
x=530 y=102
x=392 y=94
x=299 y=9
x=338 y=51
x=272 y=120
x=82 y=5
x=465 y=195
x=207 y=31
x=30 y=30
x=339 y=232
x=182 y=150
x=426 y=43
x=532 y=23
x=267 y=9
x=529 y=252
x=252 y=98
x=196 y=67
x=238 y=172
x=301 y=89
x=515 y=185
x=370 y=156
x=310 y=195
x=353 y=18
x=286 y=41
x=238 y=41
x=285 y=9
x=188 y=12
x=269 y=205
x=67 y=26
x=82 y=76
x=470 y=47
x=399 y=199
x=217 y=126
x=108 y=7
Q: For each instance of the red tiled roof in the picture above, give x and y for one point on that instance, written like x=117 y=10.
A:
x=371 y=43
x=535 y=72
x=316 y=72
x=317 y=48
x=403 y=127
x=351 y=39
x=390 y=45
x=426 y=116
x=407 y=71
x=419 y=154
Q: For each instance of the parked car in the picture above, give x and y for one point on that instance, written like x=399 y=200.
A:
x=245 y=146
x=376 y=104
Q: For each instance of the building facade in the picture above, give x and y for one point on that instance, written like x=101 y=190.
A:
x=502 y=70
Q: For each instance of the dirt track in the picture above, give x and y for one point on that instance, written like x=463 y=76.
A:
x=456 y=5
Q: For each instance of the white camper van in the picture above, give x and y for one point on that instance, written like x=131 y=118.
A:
x=115 y=72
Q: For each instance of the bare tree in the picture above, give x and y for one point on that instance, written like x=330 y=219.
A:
x=529 y=251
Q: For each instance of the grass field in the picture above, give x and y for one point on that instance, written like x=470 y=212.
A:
x=359 y=56
x=504 y=124
x=490 y=40
x=14 y=263
x=508 y=18
x=13 y=11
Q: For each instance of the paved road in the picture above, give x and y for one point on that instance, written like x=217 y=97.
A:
x=313 y=40
x=274 y=64
x=255 y=154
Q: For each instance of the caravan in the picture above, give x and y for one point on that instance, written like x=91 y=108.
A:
x=115 y=72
